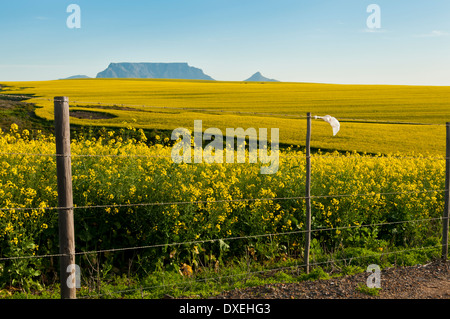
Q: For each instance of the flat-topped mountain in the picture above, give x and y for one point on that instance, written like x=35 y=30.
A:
x=258 y=77
x=153 y=71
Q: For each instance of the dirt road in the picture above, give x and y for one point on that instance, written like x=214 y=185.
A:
x=430 y=281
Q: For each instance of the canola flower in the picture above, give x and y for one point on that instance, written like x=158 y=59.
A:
x=219 y=200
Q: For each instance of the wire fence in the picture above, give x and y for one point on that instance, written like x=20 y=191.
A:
x=219 y=201
x=193 y=242
x=212 y=202
x=294 y=268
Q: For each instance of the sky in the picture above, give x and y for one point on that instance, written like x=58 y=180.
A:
x=324 y=41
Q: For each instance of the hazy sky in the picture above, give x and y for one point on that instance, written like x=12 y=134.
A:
x=289 y=40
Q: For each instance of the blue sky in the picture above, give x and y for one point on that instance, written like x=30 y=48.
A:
x=289 y=40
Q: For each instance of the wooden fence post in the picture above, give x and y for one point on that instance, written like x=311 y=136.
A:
x=446 y=214
x=65 y=197
x=308 y=193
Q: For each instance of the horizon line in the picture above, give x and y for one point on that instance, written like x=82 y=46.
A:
x=218 y=81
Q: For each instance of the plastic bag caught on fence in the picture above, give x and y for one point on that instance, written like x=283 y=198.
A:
x=332 y=121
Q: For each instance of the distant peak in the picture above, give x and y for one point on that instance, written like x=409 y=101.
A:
x=258 y=77
x=76 y=77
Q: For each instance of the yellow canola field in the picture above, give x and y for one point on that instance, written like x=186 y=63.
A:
x=204 y=201
x=168 y=104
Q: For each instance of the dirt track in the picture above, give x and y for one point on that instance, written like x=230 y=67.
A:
x=430 y=281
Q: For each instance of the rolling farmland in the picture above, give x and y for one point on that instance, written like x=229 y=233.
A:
x=369 y=114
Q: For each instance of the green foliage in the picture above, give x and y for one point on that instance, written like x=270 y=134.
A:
x=351 y=270
x=368 y=291
x=315 y=274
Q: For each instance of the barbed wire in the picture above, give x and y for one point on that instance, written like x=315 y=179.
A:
x=213 y=240
x=295 y=267
x=87 y=155
x=313 y=156
x=220 y=201
x=387 y=121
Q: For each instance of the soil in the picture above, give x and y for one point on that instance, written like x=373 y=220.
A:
x=429 y=281
x=91 y=115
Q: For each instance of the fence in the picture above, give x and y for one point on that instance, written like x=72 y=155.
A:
x=66 y=207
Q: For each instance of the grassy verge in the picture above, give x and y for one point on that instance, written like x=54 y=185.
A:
x=23 y=114
x=240 y=273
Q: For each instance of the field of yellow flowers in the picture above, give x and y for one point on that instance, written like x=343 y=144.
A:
x=199 y=202
x=368 y=113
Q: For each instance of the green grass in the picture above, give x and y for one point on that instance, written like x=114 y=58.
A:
x=23 y=114
x=209 y=281
x=375 y=292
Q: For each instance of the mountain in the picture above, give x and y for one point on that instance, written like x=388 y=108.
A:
x=76 y=77
x=153 y=71
x=258 y=77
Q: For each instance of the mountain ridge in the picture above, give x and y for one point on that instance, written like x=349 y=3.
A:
x=153 y=70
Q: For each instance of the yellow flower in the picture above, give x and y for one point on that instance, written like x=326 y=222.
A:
x=14 y=127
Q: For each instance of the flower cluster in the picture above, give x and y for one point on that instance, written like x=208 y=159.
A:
x=185 y=202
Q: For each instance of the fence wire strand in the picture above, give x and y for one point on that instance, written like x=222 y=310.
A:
x=281 y=155
x=296 y=267
x=214 y=240
x=218 y=201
